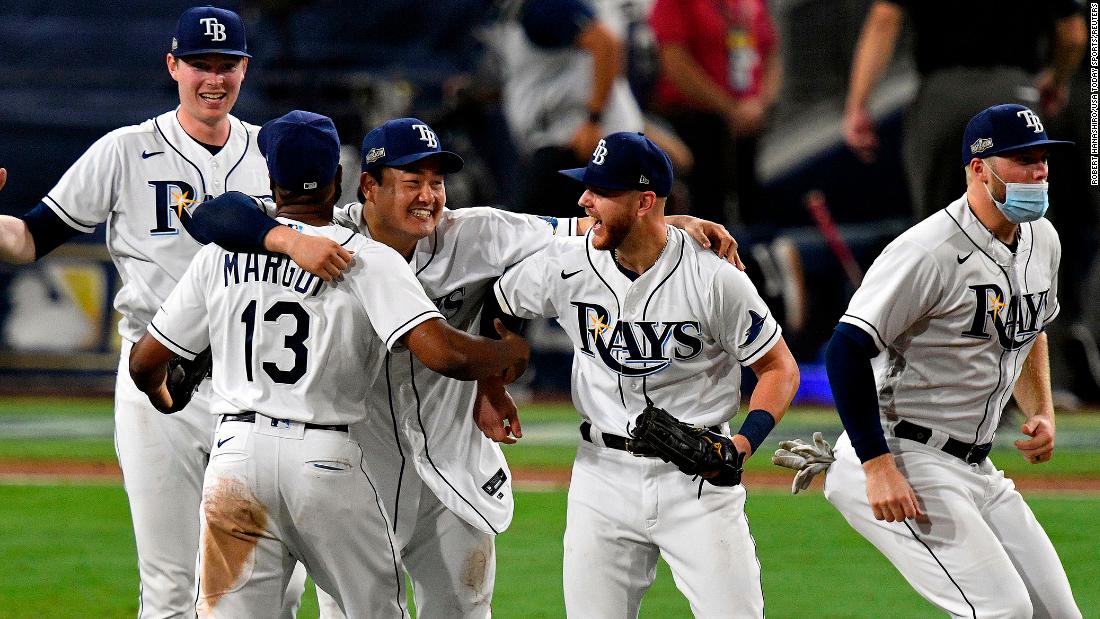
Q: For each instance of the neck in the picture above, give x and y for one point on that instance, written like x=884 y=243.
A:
x=311 y=215
x=400 y=242
x=641 y=248
x=981 y=204
x=214 y=134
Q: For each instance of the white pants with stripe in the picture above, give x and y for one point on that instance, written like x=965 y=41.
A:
x=163 y=459
x=982 y=553
x=625 y=511
x=277 y=493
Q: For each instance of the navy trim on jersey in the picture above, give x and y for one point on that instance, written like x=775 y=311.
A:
x=244 y=151
x=174 y=342
x=973 y=612
x=398 y=576
x=872 y=327
x=771 y=338
x=679 y=259
x=1000 y=362
x=350 y=237
x=202 y=179
x=618 y=308
x=397 y=441
x=428 y=455
x=389 y=339
x=435 y=248
x=90 y=227
x=48 y=230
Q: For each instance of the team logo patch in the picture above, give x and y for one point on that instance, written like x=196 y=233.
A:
x=755 y=326
x=635 y=348
x=427 y=135
x=214 y=28
x=1032 y=120
x=600 y=154
x=1016 y=320
x=375 y=154
x=981 y=145
x=492 y=486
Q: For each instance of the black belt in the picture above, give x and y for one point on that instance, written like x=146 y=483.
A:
x=622 y=443
x=250 y=417
x=968 y=452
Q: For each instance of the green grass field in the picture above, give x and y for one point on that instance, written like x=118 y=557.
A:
x=68 y=549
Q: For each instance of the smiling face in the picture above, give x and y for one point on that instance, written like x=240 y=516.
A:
x=406 y=206
x=208 y=85
x=615 y=214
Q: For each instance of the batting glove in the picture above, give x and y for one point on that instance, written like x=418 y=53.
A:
x=808 y=459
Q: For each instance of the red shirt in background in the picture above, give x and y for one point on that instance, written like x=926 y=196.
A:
x=729 y=39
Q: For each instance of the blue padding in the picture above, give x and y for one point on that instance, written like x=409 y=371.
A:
x=232 y=220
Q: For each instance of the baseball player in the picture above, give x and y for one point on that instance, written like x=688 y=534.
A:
x=141 y=180
x=293 y=363
x=446 y=487
x=655 y=320
x=947 y=326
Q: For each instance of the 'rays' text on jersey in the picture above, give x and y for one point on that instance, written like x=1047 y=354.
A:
x=1015 y=320
x=635 y=348
x=271 y=269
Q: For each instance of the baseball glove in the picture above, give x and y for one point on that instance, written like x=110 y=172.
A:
x=806 y=458
x=184 y=377
x=693 y=449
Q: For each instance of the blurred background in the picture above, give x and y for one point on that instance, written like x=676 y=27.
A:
x=757 y=133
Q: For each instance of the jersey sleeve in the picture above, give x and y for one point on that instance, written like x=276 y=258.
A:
x=395 y=301
x=88 y=190
x=182 y=321
x=348 y=215
x=746 y=327
x=901 y=286
x=525 y=290
x=514 y=236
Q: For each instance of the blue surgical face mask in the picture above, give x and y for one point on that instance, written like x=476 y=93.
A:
x=1023 y=201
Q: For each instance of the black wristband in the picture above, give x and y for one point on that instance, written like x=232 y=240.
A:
x=758 y=423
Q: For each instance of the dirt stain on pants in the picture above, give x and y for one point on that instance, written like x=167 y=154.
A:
x=235 y=520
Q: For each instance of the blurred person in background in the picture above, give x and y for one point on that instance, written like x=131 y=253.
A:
x=562 y=67
x=720 y=76
x=969 y=57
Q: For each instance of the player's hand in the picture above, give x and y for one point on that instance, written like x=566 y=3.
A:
x=161 y=399
x=711 y=235
x=516 y=352
x=3 y=177
x=859 y=134
x=585 y=139
x=891 y=497
x=319 y=255
x=495 y=412
x=1040 y=447
x=1053 y=96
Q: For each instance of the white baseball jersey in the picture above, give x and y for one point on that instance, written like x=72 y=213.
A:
x=456 y=264
x=285 y=343
x=546 y=91
x=678 y=335
x=955 y=314
x=140 y=180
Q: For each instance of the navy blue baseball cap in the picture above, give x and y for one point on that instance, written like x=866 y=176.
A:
x=1003 y=129
x=302 y=150
x=400 y=142
x=626 y=160
x=209 y=30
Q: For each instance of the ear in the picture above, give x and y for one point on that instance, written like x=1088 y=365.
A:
x=173 y=65
x=647 y=203
x=244 y=65
x=367 y=185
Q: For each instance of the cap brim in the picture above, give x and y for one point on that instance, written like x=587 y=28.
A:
x=223 y=52
x=449 y=162
x=1019 y=147
x=578 y=174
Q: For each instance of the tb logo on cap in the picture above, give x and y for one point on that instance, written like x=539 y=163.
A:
x=1032 y=119
x=427 y=135
x=214 y=29
x=600 y=154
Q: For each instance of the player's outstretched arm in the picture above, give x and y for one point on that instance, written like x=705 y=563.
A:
x=457 y=354
x=16 y=241
x=495 y=412
x=233 y=221
x=777 y=381
x=1033 y=394
x=148 y=368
